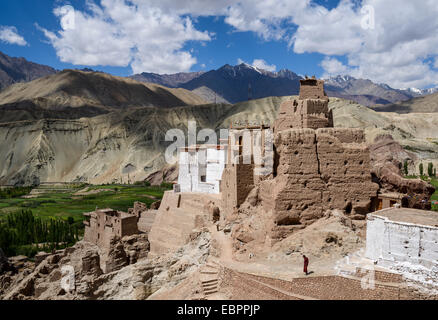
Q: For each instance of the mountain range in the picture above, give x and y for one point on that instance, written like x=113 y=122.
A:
x=232 y=84
x=13 y=70
x=421 y=104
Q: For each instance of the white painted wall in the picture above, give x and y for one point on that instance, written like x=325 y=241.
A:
x=389 y=242
x=191 y=169
x=184 y=179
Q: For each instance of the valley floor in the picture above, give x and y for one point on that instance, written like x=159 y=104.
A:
x=73 y=200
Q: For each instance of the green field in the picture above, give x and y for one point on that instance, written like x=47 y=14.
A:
x=64 y=203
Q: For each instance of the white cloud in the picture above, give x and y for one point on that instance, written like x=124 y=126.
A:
x=405 y=34
x=394 y=52
x=262 y=64
x=119 y=33
x=10 y=35
x=151 y=35
x=334 y=67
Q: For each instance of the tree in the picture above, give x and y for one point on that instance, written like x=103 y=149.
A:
x=434 y=172
x=430 y=169
x=421 y=169
x=405 y=166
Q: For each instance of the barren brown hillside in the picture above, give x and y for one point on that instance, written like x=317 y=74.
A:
x=82 y=126
x=73 y=88
x=424 y=104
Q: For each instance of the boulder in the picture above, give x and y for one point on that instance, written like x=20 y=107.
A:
x=387 y=158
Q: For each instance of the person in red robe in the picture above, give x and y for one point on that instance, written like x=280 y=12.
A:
x=306 y=264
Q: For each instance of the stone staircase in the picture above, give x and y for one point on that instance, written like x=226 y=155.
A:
x=210 y=278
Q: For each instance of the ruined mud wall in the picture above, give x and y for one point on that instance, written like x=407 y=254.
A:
x=318 y=170
x=309 y=113
x=344 y=163
x=179 y=217
x=237 y=182
x=128 y=226
x=316 y=114
x=312 y=89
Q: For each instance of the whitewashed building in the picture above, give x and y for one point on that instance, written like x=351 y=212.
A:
x=400 y=235
x=201 y=168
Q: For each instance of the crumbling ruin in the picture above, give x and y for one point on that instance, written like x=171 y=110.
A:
x=291 y=174
x=104 y=224
x=311 y=168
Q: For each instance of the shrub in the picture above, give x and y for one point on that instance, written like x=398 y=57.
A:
x=405 y=165
x=430 y=169
x=166 y=185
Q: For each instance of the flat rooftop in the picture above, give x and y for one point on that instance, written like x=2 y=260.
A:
x=421 y=217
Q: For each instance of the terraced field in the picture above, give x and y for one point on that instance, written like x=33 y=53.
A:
x=73 y=201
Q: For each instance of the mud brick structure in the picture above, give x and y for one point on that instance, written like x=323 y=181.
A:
x=316 y=167
x=309 y=111
x=104 y=224
x=237 y=182
x=312 y=168
x=312 y=88
x=388 y=200
x=249 y=158
x=138 y=209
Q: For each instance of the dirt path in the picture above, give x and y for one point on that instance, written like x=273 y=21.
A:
x=286 y=268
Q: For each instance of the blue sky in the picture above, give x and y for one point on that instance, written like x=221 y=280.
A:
x=323 y=37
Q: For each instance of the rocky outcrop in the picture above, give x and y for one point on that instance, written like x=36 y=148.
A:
x=387 y=159
x=168 y=173
x=125 y=251
x=131 y=274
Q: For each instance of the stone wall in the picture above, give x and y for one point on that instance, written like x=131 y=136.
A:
x=388 y=286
